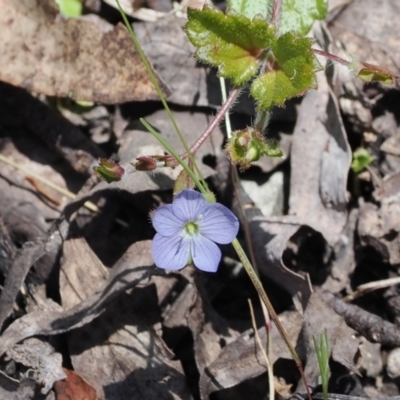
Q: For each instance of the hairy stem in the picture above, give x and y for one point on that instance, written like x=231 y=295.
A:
x=276 y=13
x=210 y=128
x=331 y=57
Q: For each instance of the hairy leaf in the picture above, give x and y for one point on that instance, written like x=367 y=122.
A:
x=230 y=42
x=251 y=8
x=298 y=16
x=292 y=74
x=70 y=8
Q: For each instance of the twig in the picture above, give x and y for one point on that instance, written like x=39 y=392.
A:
x=371 y=286
x=29 y=174
x=90 y=206
x=374 y=328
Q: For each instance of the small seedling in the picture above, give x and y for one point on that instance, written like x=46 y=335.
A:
x=361 y=160
x=323 y=354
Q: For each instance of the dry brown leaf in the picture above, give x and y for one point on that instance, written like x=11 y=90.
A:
x=127 y=273
x=20 y=267
x=167 y=46
x=45 y=53
x=242 y=360
x=211 y=332
x=320 y=161
x=344 y=262
x=121 y=344
x=41 y=357
x=270 y=239
x=82 y=273
x=122 y=355
x=74 y=387
x=29 y=115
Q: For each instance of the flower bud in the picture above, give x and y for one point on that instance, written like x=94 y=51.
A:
x=145 y=163
x=369 y=72
x=248 y=145
x=108 y=170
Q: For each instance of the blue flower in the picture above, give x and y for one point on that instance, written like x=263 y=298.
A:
x=188 y=229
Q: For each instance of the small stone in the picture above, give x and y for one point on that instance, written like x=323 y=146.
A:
x=371 y=358
x=393 y=363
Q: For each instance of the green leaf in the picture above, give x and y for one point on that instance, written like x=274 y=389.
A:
x=292 y=74
x=298 y=16
x=361 y=159
x=230 y=42
x=251 y=8
x=70 y=8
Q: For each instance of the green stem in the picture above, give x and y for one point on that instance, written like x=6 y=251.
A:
x=154 y=81
x=265 y=299
x=174 y=154
x=262 y=120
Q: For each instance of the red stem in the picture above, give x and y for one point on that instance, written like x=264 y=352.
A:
x=276 y=13
x=214 y=123
x=331 y=57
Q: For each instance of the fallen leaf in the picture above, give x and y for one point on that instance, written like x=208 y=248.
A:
x=74 y=387
x=128 y=272
x=167 y=46
x=59 y=135
x=242 y=359
x=20 y=267
x=320 y=161
x=69 y=57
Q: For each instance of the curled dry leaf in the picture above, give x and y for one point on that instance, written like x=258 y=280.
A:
x=226 y=371
x=127 y=273
x=45 y=53
x=120 y=351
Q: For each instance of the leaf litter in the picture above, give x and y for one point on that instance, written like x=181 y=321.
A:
x=80 y=290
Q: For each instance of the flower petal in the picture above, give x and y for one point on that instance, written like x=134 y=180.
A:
x=165 y=222
x=218 y=224
x=170 y=252
x=205 y=254
x=188 y=205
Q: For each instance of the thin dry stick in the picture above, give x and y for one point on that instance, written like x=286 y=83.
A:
x=88 y=204
x=269 y=365
x=371 y=286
